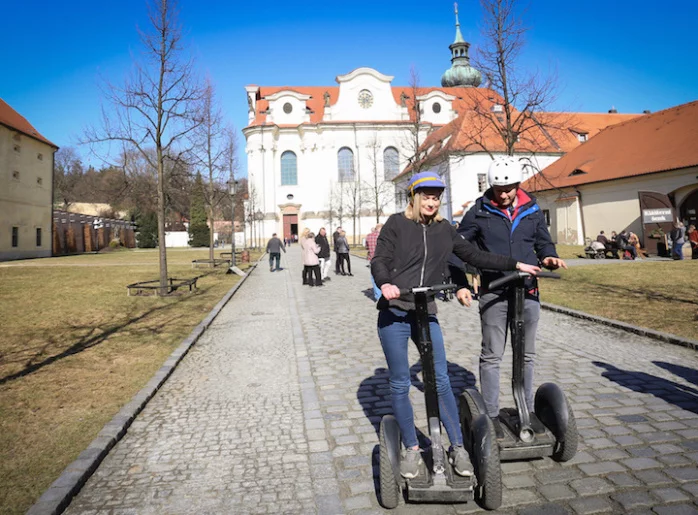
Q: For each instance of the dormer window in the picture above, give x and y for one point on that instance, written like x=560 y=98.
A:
x=436 y=107
x=582 y=137
x=497 y=108
x=577 y=172
x=288 y=108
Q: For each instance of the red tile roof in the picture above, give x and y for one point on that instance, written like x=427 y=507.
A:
x=474 y=131
x=12 y=119
x=316 y=103
x=665 y=140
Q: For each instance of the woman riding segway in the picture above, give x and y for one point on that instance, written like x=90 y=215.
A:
x=412 y=249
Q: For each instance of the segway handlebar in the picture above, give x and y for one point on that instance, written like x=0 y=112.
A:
x=424 y=289
x=513 y=276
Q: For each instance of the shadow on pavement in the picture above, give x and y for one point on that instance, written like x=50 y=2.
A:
x=689 y=374
x=374 y=391
x=677 y=394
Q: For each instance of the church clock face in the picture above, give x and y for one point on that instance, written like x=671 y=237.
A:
x=365 y=98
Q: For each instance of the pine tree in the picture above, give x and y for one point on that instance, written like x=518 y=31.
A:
x=147 y=229
x=199 y=232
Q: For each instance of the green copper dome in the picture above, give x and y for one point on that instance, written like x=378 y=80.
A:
x=460 y=74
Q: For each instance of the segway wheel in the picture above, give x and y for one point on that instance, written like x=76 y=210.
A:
x=554 y=411
x=566 y=448
x=469 y=411
x=488 y=471
x=389 y=471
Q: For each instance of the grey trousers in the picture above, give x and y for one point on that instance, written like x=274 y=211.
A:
x=495 y=316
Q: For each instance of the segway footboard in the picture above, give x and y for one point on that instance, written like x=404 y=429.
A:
x=448 y=487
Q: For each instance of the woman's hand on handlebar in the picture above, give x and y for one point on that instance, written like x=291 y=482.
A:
x=530 y=269
x=390 y=291
x=464 y=297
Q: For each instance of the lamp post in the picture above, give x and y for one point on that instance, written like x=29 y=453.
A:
x=232 y=189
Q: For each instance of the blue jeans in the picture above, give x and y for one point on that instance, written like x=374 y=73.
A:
x=376 y=290
x=677 y=250
x=395 y=327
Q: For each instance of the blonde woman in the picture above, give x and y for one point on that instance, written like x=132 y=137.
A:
x=412 y=250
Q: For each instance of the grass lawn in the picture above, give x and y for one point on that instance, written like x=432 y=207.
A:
x=660 y=295
x=75 y=348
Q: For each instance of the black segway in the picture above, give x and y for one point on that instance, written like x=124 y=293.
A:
x=520 y=440
x=436 y=482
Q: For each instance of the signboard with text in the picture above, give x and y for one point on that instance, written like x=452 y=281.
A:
x=650 y=216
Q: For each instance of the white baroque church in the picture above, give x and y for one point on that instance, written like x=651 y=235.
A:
x=342 y=155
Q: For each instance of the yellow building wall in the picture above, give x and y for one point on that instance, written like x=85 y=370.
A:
x=612 y=205
x=26 y=179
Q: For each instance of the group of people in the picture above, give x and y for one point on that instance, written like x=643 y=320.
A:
x=626 y=241
x=630 y=243
x=505 y=230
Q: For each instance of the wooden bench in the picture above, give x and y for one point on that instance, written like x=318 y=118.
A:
x=152 y=287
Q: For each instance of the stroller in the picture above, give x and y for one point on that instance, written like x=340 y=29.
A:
x=595 y=250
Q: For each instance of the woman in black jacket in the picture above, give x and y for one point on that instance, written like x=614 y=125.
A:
x=412 y=250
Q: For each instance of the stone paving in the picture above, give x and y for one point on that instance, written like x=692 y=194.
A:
x=275 y=410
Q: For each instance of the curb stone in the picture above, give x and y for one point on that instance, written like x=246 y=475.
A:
x=58 y=496
x=642 y=331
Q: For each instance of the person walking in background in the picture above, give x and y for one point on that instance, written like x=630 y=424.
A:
x=324 y=255
x=678 y=238
x=311 y=263
x=371 y=241
x=507 y=220
x=274 y=248
x=335 y=235
x=342 y=247
x=693 y=239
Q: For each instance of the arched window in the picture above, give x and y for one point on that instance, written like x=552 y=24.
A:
x=391 y=163
x=289 y=169
x=345 y=164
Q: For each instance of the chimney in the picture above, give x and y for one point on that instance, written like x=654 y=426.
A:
x=612 y=110
x=646 y=111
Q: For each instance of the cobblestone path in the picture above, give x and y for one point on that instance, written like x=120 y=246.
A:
x=275 y=410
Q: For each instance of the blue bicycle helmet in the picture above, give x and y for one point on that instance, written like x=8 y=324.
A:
x=428 y=179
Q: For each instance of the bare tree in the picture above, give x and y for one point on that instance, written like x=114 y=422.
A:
x=511 y=115
x=379 y=191
x=155 y=108
x=353 y=201
x=337 y=202
x=232 y=165
x=417 y=131
x=67 y=173
x=210 y=153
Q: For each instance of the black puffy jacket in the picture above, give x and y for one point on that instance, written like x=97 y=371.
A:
x=410 y=254
x=525 y=238
x=324 y=246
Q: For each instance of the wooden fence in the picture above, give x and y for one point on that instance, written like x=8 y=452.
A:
x=75 y=233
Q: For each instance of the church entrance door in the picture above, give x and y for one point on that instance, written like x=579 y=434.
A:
x=290 y=227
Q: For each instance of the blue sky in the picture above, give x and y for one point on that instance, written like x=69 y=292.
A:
x=632 y=55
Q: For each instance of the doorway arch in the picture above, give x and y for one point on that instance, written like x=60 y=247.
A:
x=688 y=210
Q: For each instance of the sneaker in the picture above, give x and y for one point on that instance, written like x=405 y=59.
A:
x=498 y=429
x=350 y=274
x=458 y=457
x=410 y=462
x=536 y=424
x=271 y=269
x=327 y=279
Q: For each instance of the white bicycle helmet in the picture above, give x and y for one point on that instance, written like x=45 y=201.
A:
x=505 y=170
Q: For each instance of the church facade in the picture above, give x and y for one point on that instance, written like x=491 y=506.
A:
x=342 y=155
